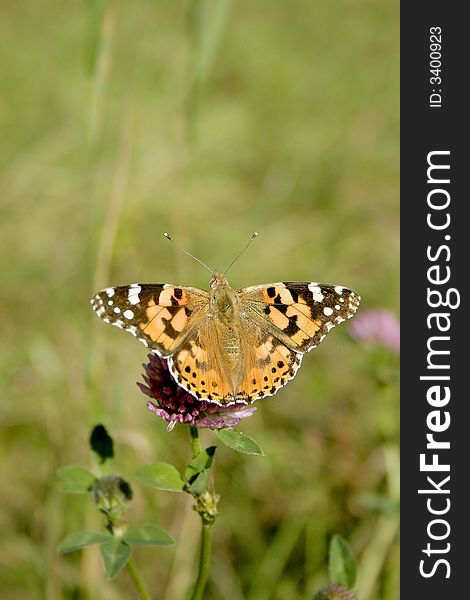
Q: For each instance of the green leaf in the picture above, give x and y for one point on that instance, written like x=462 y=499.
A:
x=199 y=485
x=342 y=565
x=101 y=443
x=202 y=461
x=161 y=475
x=148 y=535
x=81 y=539
x=239 y=441
x=115 y=553
x=75 y=479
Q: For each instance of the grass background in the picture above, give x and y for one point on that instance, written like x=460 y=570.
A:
x=210 y=119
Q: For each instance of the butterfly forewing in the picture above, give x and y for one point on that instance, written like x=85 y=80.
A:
x=299 y=313
x=158 y=315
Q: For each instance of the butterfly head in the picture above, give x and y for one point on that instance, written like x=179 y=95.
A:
x=218 y=281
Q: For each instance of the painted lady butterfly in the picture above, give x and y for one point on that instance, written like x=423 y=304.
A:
x=228 y=346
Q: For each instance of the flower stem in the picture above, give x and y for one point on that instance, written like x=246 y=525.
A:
x=204 y=561
x=206 y=531
x=138 y=582
x=195 y=441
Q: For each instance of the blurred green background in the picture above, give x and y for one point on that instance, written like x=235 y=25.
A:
x=209 y=119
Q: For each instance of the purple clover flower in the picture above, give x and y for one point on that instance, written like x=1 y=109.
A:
x=175 y=405
x=377 y=326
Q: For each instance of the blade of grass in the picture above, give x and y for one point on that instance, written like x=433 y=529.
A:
x=274 y=561
x=375 y=555
x=206 y=25
x=106 y=242
x=102 y=65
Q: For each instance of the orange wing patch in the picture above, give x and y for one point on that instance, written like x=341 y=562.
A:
x=307 y=325
x=165 y=323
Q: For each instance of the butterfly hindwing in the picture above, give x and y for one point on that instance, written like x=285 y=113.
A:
x=199 y=371
x=267 y=365
x=300 y=313
x=158 y=315
x=273 y=366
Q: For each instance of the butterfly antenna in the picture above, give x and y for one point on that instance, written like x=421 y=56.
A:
x=253 y=237
x=168 y=237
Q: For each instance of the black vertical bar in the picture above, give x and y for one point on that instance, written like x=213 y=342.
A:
x=434 y=118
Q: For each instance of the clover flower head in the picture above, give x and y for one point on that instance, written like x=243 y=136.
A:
x=175 y=405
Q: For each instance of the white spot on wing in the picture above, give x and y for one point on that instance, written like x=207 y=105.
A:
x=339 y=289
x=133 y=294
x=128 y=314
x=316 y=292
x=109 y=291
x=313 y=287
x=327 y=311
x=117 y=310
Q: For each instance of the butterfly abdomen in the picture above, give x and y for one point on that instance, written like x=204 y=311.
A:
x=231 y=344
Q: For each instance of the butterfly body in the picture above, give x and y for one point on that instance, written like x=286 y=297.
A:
x=226 y=345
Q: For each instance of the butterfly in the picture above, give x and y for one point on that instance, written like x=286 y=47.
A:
x=228 y=346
